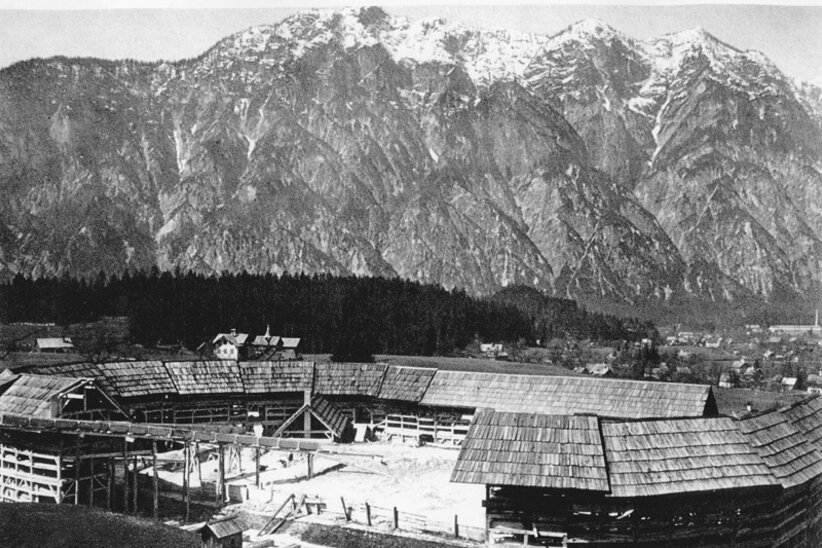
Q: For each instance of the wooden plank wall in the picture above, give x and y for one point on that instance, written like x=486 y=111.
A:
x=750 y=518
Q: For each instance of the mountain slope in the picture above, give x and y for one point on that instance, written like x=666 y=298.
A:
x=586 y=164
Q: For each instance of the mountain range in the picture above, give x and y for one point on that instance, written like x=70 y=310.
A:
x=586 y=164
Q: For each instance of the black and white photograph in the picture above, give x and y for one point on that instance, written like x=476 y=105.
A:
x=435 y=274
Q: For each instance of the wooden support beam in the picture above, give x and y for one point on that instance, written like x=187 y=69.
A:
x=486 y=504
x=221 y=491
x=199 y=464
x=109 y=481
x=156 y=499
x=91 y=480
x=185 y=479
x=135 y=489
x=396 y=518
x=368 y=513
x=59 y=495
x=77 y=472
x=257 y=466
x=125 y=476
x=310 y=464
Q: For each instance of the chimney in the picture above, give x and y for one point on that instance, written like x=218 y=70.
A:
x=268 y=333
x=233 y=332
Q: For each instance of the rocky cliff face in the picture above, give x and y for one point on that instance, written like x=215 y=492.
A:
x=586 y=164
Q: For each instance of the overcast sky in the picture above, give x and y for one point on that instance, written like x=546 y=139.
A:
x=790 y=36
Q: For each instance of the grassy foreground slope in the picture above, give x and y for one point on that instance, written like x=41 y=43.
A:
x=53 y=526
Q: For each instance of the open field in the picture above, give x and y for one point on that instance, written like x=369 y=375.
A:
x=46 y=525
x=732 y=401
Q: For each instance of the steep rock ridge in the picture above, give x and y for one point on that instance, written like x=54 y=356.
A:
x=717 y=143
x=350 y=141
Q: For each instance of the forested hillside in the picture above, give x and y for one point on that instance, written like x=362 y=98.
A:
x=387 y=316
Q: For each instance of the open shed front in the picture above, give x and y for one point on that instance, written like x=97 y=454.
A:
x=517 y=516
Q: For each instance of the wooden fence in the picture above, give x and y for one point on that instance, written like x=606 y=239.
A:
x=365 y=513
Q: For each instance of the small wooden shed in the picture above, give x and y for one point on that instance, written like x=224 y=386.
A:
x=225 y=532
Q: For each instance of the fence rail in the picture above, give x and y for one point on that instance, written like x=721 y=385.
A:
x=372 y=515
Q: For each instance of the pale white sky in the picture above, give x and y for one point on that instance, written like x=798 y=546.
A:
x=791 y=36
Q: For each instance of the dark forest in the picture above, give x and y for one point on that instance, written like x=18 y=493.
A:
x=330 y=314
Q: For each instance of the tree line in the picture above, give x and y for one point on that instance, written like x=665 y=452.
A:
x=351 y=317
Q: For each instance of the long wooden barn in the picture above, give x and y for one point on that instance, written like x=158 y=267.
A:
x=564 y=459
x=408 y=402
x=708 y=481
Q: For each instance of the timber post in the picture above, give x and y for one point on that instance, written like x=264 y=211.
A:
x=310 y=464
x=185 y=479
x=109 y=481
x=91 y=478
x=368 y=513
x=125 y=476
x=77 y=472
x=456 y=526
x=396 y=518
x=135 y=489
x=156 y=498
x=220 y=495
x=196 y=457
x=257 y=466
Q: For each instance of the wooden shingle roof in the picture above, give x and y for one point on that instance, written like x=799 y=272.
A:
x=665 y=457
x=784 y=449
x=83 y=369
x=330 y=414
x=348 y=379
x=556 y=395
x=806 y=416
x=532 y=450
x=37 y=395
x=276 y=376
x=222 y=528
x=406 y=383
x=135 y=379
x=206 y=377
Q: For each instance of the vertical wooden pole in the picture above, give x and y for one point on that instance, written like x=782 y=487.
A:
x=125 y=476
x=345 y=510
x=59 y=462
x=220 y=494
x=310 y=463
x=91 y=478
x=368 y=513
x=196 y=457
x=135 y=488
x=185 y=479
x=77 y=472
x=156 y=499
x=109 y=481
x=456 y=526
x=307 y=415
x=257 y=466
x=487 y=519
x=396 y=518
